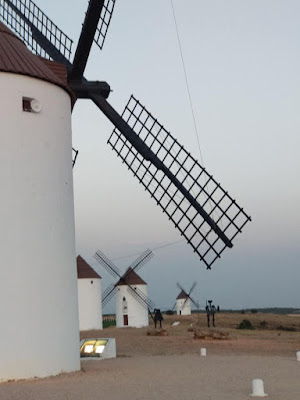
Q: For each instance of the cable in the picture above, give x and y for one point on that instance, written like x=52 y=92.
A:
x=189 y=93
x=153 y=249
x=186 y=81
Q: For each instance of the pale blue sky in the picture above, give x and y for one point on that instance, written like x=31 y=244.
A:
x=243 y=61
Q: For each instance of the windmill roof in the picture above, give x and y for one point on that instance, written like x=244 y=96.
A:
x=131 y=278
x=182 y=295
x=84 y=270
x=16 y=58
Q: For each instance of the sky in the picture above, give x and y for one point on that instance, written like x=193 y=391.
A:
x=242 y=61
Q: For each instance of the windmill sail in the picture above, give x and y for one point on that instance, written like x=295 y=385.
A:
x=74 y=156
x=192 y=199
x=104 y=21
x=29 y=22
x=141 y=297
x=141 y=260
x=108 y=294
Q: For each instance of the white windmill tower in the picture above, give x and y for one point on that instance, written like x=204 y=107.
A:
x=38 y=286
x=183 y=301
x=129 y=310
x=89 y=296
x=133 y=306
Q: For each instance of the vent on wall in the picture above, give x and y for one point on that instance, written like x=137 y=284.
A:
x=31 y=105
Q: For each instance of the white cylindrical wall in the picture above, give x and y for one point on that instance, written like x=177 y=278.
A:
x=39 y=333
x=89 y=302
x=183 y=307
x=137 y=313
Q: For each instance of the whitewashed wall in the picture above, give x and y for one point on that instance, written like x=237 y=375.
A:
x=39 y=333
x=137 y=313
x=89 y=302
x=183 y=306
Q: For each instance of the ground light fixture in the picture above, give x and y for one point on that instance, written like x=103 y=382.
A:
x=92 y=347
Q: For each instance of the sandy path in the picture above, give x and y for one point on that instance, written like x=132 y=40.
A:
x=166 y=377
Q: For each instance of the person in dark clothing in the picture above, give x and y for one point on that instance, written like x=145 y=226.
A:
x=157 y=317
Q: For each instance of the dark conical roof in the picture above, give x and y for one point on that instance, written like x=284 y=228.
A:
x=182 y=295
x=131 y=278
x=84 y=270
x=16 y=58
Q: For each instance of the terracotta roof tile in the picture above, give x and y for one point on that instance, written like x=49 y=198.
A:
x=16 y=58
x=182 y=295
x=131 y=278
x=84 y=270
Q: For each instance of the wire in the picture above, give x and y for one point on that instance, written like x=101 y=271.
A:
x=186 y=81
x=189 y=93
x=153 y=249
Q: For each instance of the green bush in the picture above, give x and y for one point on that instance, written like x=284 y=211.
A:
x=245 y=324
x=107 y=322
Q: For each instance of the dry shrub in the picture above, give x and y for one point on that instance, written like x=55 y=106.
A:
x=211 y=335
x=157 y=332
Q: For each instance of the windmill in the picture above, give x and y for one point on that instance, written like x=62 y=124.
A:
x=204 y=213
x=37 y=186
x=89 y=296
x=132 y=302
x=184 y=299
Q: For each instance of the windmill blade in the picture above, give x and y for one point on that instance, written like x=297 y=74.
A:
x=74 y=157
x=86 y=38
x=185 y=300
x=141 y=297
x=108 y=294
x=180 y=287
x=107 y=291
x=94 y=28
x=192 y=288
x=179 y=184
x=141 y=260
x=40 y=34
x=194 y=302
x=107 y=264
x=104 y=22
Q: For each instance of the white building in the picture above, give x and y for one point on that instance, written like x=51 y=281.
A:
x=39 y=333
x=89 y=296
x=131 y=310
x=183 y=304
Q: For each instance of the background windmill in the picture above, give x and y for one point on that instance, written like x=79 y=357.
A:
x=89 y=296
x=184 y=300
x=132 y=302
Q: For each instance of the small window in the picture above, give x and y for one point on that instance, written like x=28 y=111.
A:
x=27 y=104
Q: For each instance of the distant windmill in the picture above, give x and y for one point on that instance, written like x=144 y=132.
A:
x=132 y=302
x=89 y=296
x=38 y=90
x=184 y=299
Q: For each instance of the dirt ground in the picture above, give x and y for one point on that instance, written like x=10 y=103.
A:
x=150 y=366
